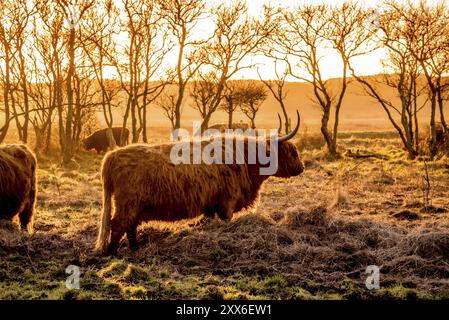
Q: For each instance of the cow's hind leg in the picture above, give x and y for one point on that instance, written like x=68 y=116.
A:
x=117 y=232
x=26 y=215
x=26 y=219
x=132 y=237
x=118 y=229
x=123 y=222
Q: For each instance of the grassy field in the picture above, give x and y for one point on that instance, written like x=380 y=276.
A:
x=310 y=237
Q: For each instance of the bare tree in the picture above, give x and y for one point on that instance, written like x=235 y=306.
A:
x=414 y=36
x=7 y=34
x=425 y=26
x=232 y=99
x=167 y=101
x=73 y=12
x=252 y=96
x=145 y=49
x=182 y=16
x=236 y=37
x=402 y=75
x=21 y=12
x=97 y=43
x=279 y=92
x=203 y=92
x=307 y=34
x=41 y=92
x=49 y=46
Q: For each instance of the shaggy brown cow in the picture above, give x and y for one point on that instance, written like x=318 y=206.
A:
x=440 y=135
x=17 y=184
x=146 y=185
x=99 y=140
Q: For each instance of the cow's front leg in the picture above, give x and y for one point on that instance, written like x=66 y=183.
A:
x=26 y=218
x=132 y=237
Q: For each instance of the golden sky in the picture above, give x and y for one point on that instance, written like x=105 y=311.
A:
x=330 y=63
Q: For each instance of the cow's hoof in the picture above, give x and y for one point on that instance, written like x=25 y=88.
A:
x=112 y=251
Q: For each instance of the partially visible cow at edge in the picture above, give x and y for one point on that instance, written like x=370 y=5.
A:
x=17 y=184
x=99 y=140
x=145 y=185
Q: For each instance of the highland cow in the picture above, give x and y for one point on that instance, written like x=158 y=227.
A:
x=99 y=140
x=17 y=184
x=145 y=185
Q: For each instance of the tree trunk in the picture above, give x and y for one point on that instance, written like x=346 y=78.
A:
x=25 y=97
x=284 y=111
x=205 y=123
x=330 y=143
x=144 y=118
x=178 y=109
x=125 y=121
x=443 y=121
x=230 y=114
x=111 y=140
x=433 y=148
x=48 y=133
x=6 y=92
x=68 y=150
x=40 y=139
x=135 y=137
x=415 y=119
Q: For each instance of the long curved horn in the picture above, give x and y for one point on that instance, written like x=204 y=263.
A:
x=293 y=133
x=280 y=124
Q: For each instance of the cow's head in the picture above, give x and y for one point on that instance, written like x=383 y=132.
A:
x=87 y=144
x=289 y=163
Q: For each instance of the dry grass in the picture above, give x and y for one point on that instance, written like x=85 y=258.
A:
x=311 y=237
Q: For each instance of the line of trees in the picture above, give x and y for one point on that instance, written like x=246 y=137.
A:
x=416 y=40
x=61 y=61
x=245 y=96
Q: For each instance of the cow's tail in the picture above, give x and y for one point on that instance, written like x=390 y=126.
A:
x=104 y=233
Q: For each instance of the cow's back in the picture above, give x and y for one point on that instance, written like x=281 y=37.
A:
x=146 y=174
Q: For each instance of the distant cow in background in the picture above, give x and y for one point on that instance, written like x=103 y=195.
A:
x=222 y=127
x=99 y=140
x=441 y=139
x=17 y=184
